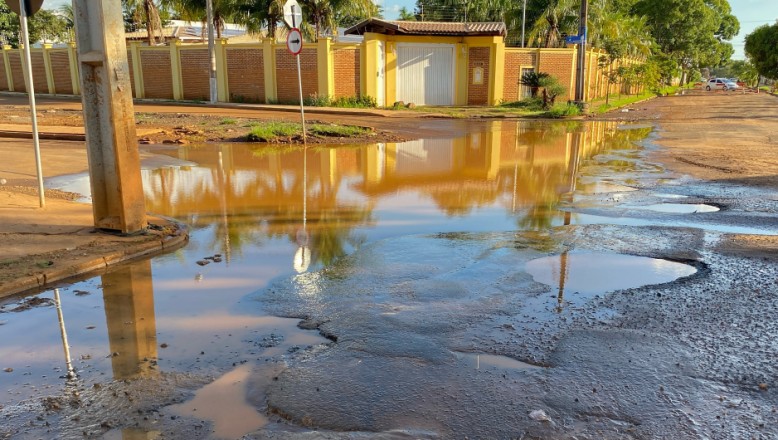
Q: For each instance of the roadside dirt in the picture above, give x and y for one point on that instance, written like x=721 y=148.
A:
x=712 y=136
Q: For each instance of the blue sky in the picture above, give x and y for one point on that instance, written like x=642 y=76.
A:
x=751 y=13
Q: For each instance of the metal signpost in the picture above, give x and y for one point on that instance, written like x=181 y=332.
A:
x=29 y=7
x=294 y=42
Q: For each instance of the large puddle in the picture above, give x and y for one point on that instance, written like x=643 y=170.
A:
x=272 y=212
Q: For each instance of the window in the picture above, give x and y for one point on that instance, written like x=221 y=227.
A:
x=524 y=91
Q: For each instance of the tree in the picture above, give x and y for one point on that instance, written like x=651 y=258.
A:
x=533 y=80
x=406 y=15
x=44 y=26
x=259 y=15
x=691 y=32
x=559 y=17
x=144 y=14
x=762 y=50
x=324 y=15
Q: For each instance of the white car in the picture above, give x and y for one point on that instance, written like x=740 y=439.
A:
x=720 y=84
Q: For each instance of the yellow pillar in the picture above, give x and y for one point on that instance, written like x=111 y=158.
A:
x=222 y=86
x=326 y=67
x=462 y=50
x=46 y=47
x=73 y=63
x=369 y=63
x=175 y=69
x=7 y=65
x=497 y=74
x=494 y=148
x=269 y=61
x=137 y=69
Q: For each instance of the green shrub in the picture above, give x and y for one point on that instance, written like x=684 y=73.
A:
x=527 y=103
x=355 y=102
x=228 y=121
x=563 y=110
x=317 y=100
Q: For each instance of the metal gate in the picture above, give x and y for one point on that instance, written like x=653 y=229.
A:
x=425 y=73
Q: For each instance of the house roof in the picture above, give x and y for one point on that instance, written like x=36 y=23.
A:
x=456 y=29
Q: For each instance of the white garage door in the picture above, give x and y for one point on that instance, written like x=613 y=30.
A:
x=425 y=74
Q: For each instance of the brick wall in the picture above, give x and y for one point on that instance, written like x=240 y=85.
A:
x=157 y=79
x=246 y=74
x=286 y=72
x=39 y=73
x=478 y=94
x=16 y=71
x=560 y=65
x=60 y=67
x=513 y=62
x=195 y=75
x=346 y=70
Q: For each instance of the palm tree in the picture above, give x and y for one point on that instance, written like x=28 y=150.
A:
x=259 y=15
x=561 y=16
x=146 y=13
x=322 y=14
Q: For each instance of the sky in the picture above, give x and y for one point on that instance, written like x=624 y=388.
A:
x=751 y=13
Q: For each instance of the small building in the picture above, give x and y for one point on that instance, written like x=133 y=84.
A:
x=431 y=63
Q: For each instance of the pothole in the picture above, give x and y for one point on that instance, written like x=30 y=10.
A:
x=482 y=361
x=593 y=273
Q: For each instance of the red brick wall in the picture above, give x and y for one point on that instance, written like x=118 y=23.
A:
x=559 y=65
x=195 y=75
x=16 y=71
x=513 y=63
x=157 y=79
x=60 y=67
x=286 y=73
x=346 y=66
x=39 y=73
x=246 y=75
x=478 y=94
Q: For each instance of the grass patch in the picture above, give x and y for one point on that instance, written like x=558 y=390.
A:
x=563 y=110
x=338 y=130
x=228 y=121
x=316 y=100
x=269 y=131
x=599 y=106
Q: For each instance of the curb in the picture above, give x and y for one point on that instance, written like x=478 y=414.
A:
x=47 y=136
x=46 y=278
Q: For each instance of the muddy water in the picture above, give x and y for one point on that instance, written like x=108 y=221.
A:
x=259 y=215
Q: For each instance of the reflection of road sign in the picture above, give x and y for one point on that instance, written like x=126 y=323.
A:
x=573 y=39
x=294 y=41
x=30 y=6
x=293 y=15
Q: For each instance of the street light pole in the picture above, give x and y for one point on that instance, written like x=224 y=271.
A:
x=580 y=97
x=523 y=21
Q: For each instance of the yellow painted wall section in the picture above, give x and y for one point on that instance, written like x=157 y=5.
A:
x=461 y=84
x=47 y=68
x=137 y=72
x=326 y=68
x=222 y=84
x=390 y=72
x=497 y=81
x=175 y=67
x=269 y=61
x=73 y=61
x=7 y=66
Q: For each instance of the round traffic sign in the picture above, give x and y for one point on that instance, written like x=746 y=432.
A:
x=294 y=41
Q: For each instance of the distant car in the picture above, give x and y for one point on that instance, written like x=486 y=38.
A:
x=720 y=84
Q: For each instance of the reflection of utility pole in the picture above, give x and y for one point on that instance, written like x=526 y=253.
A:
x=302 y=258
x=68 y=362
x=128 y=295
x=560 y=298
x=223 y=202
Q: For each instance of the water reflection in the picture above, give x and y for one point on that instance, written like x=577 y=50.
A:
x=128 y=295
x=325 y=199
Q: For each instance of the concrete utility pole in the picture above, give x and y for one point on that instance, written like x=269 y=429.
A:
x=211 y=51
x=109 y=119
x=580 y=79
x=523 y=21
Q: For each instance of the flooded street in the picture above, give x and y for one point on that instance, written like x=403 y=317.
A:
x=439 y=288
